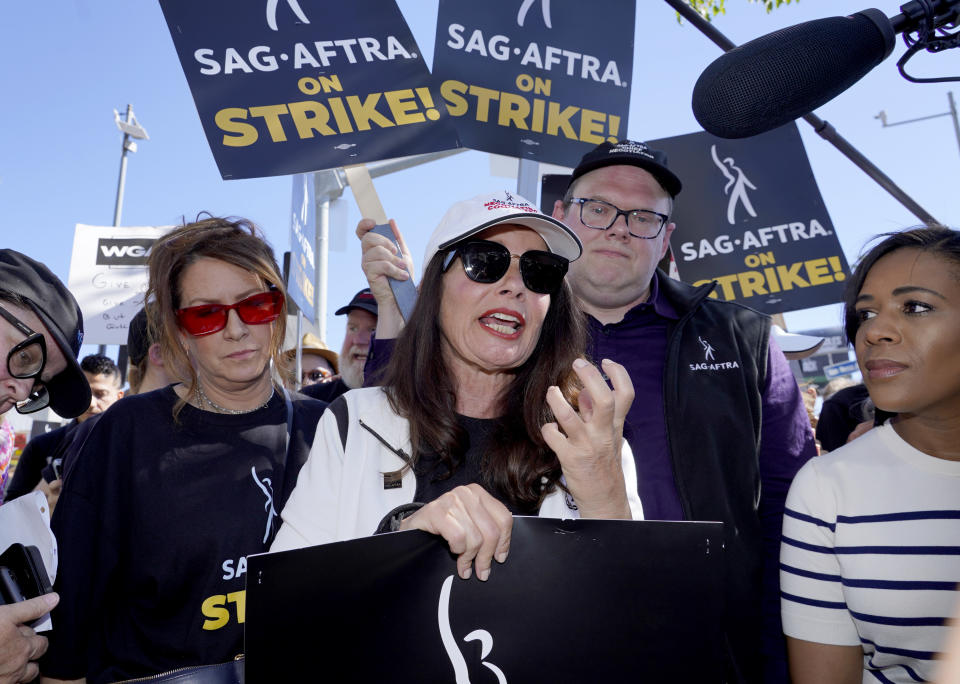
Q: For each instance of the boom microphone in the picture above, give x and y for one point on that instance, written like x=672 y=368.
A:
x=778 y=77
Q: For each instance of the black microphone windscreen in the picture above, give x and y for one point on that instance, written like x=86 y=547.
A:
x=778 y=77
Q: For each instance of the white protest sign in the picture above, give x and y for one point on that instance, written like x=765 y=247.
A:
x=108 y=276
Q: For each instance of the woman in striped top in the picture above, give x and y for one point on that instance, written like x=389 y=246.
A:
x=870 y=559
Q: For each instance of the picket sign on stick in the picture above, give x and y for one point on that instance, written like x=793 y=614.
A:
x=358 y=176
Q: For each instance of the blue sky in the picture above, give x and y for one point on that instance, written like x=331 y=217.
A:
x=67 y=65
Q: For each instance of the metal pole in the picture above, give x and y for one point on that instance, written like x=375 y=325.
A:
x=953 y=114
x=299 y=364
x=118 y=207
x=323 y=248
x=528 y=173
x=823 y=128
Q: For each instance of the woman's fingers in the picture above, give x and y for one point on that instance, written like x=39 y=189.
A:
x=475 y=525
x=622 y=390
x=587 y=443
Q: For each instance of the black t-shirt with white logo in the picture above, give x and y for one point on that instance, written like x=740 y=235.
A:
x=154 y=525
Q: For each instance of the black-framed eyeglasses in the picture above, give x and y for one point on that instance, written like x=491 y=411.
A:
x=487 y=262
x=645 y=224
x=26 y=361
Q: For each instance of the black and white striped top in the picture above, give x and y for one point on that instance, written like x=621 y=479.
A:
x=871 y=554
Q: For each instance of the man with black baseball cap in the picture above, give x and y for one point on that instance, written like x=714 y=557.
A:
x=361 y=323
x=718 y=425
x=41 y=329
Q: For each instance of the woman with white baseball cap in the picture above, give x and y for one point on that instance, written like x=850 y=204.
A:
x=487 y=409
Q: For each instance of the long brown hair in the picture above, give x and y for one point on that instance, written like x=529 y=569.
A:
x=235 y=241
x=420 y=388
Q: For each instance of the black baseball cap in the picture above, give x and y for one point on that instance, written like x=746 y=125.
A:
x=364 y=299
x=52 y=302
x=632 y=154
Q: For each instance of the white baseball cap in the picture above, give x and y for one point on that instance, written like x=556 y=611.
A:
x=469 y=217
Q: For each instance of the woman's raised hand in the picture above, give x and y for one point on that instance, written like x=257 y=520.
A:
x=380 y=261
x=475 y=524
x=588 y=443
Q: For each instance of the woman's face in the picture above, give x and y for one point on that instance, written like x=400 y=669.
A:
x=909 y=336
x=492 y=327
x=240 y=353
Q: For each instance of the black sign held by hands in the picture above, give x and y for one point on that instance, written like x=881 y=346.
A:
x=576 y=601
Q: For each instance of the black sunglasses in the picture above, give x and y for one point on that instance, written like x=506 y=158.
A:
x=26 y=361
x=487 y=262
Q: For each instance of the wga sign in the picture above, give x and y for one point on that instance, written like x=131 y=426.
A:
x=123 y=251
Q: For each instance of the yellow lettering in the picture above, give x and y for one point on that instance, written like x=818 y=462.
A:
x=818 y=271
x=212 y=608
x=513 y=110
x=309 y=116
x=524 y=83
x=366 y=112
x=592 y=127
x=557 y=120
x=538 y=109
x=340 y=115
x=751 y=283
x=484 y=96
x=726 y=284
x=329 y=83
x=240 y=598
x=789 y=276
x=403 y=105
x=452 y=92
x=246 y=134
x=271 y=115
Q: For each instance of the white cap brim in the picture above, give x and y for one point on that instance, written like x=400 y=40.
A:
x=795 y=346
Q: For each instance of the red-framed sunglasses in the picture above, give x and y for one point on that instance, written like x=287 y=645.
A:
x=205 y=319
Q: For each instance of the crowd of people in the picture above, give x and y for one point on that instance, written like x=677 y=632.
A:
x=549 y=368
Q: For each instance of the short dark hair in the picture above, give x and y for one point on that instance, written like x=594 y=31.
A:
x=98 y=364
x=419 y=388
x=939 y=240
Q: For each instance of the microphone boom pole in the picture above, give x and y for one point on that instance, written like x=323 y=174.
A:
x=823 y=128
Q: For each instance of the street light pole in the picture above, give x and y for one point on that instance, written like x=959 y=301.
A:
x=952 y=113
x=130 y=129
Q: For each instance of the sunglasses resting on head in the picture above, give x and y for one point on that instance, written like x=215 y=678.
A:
x=487 y=262
x=205 y=319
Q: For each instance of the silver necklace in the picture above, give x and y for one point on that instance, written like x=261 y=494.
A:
x=203 y=398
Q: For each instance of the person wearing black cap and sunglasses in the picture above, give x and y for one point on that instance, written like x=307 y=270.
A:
x=41 y=329
x=732 y=431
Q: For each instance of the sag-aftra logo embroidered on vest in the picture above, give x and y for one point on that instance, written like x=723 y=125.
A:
x=710 y=362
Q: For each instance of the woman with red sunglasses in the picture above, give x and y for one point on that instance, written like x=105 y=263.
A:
x=174 y=488
x=487 y=409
